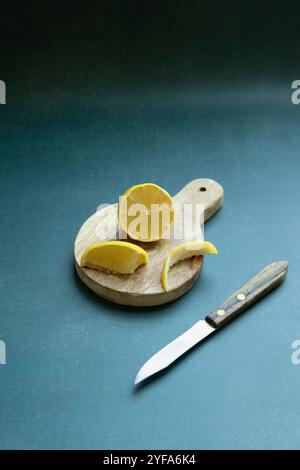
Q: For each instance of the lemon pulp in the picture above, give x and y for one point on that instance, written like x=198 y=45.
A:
x=116 y=256
x=146 y=212
x=184 y=251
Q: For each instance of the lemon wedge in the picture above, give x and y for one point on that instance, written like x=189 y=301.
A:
x=146 y=212
x=184 y=251
x=116 y=256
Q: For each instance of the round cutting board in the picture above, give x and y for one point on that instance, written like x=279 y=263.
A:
x=143 y=287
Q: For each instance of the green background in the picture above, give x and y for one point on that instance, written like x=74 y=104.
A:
x=105 y=95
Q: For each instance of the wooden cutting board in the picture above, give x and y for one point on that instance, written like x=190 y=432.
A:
x=143 y=287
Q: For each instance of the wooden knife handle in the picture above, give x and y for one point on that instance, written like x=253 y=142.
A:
x=266 y=280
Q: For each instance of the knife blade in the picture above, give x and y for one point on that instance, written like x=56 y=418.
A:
x=265 y=281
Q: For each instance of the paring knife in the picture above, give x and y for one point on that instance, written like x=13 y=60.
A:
x=266 y=280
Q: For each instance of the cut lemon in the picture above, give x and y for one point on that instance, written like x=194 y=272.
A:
x=184 y=251
x=146 y=212
x=116 y=256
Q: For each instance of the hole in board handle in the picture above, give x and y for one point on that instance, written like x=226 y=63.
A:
x=202 y=189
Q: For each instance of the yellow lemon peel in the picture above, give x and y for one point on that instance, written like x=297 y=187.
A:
x=115 y=256
x=184 y=251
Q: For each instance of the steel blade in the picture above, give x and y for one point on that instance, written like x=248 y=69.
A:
x=174 y=350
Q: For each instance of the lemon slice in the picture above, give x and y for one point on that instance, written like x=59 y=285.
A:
x=146 y=212
x=184 y=251
x=116 y=256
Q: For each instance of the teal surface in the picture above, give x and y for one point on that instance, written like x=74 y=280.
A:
x=71 y=356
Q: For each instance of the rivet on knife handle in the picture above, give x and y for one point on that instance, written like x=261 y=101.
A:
x=257 y=287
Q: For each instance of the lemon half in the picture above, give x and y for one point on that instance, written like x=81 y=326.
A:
x=184 y=251
x=146 y=212
x=117 y=256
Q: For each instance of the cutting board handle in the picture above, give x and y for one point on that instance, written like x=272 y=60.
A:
x=202 y=191
x=266 y=280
